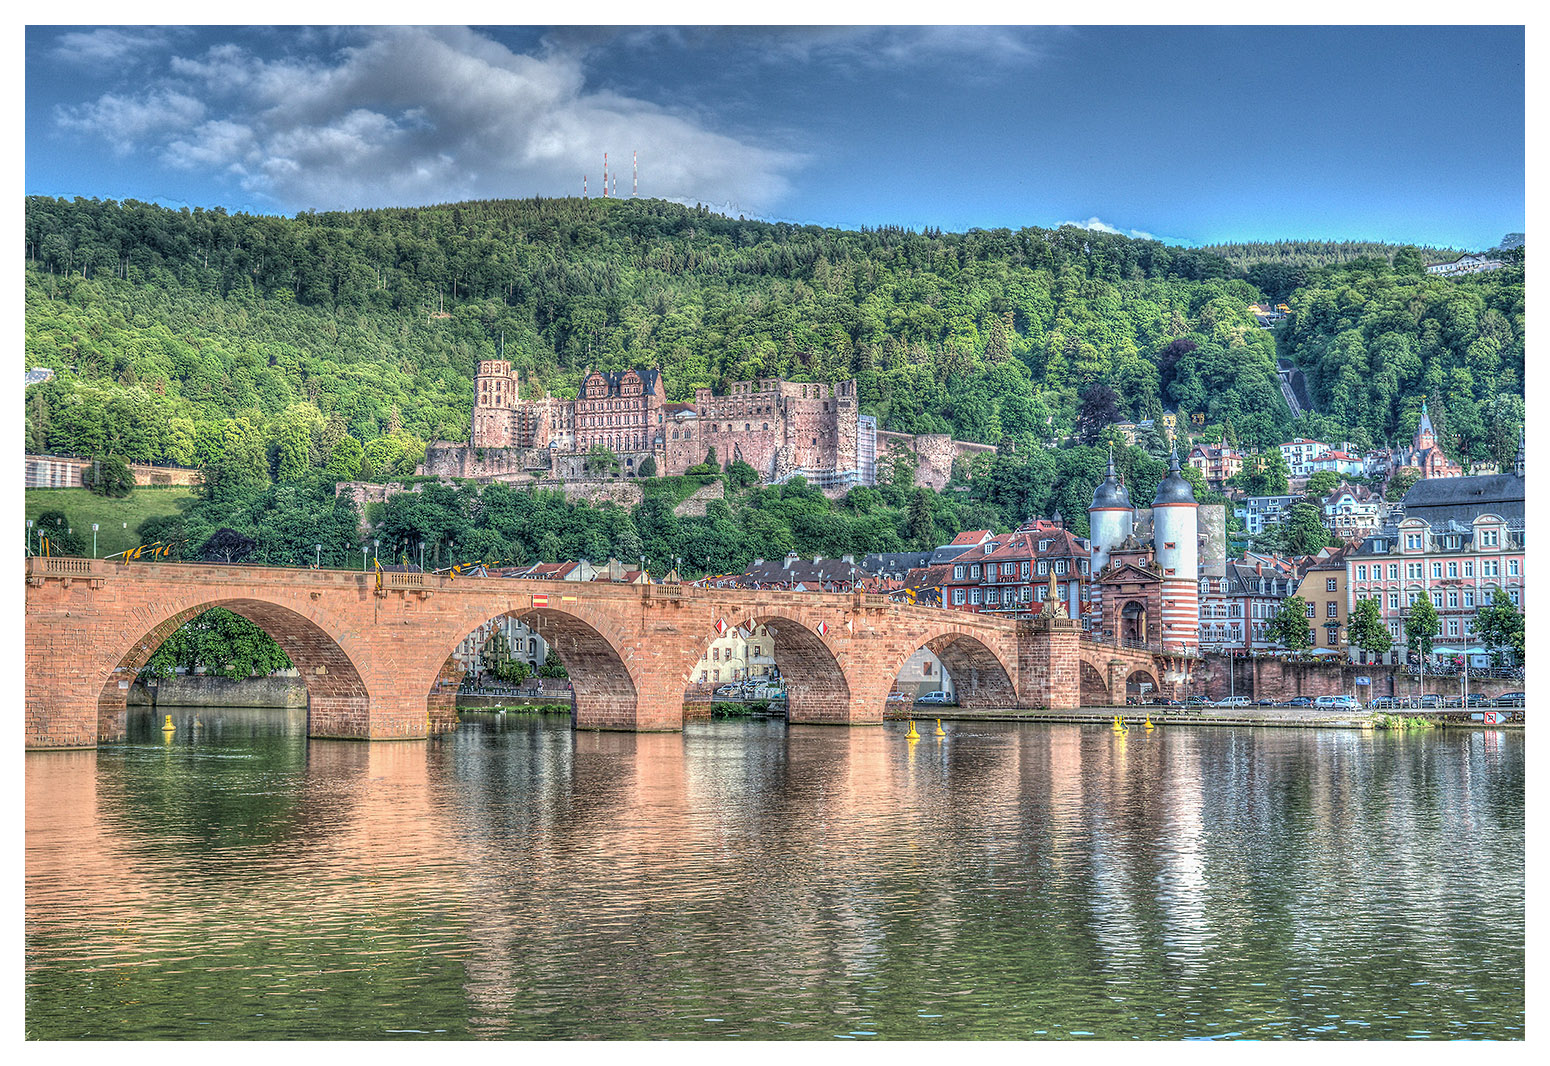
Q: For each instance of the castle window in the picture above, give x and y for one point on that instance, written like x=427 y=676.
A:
x=766 y=427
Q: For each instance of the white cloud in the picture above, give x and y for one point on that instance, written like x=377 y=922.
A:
x=1096 y=223
x=126 y=122
x=407 y=116
x=110 y=45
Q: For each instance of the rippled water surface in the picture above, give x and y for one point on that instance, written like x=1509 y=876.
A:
x=753 y=880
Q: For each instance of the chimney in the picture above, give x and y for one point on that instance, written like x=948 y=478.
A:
x=850 y=559
x=791 y=558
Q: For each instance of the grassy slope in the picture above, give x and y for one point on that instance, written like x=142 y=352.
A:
x=82 y=509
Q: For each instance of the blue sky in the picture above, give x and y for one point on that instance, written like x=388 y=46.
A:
x=1190 y=134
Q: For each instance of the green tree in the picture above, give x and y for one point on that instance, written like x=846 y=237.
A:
x=1288 y=627
x=1400 y=484
x=647 y=467
x=344 y=461
x=922 y=523
x=499 y=662
x=741 y=476
x=1264 y=475
x=1421 y=625
x=1500 y=626
x=1366 y=629
x=1321 y=484
x=63 y=539
x=1304 y=529
x=108 y=476
x=552 y=667
x=601 y=462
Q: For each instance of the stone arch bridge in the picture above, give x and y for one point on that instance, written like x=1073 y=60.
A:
x=375 y=650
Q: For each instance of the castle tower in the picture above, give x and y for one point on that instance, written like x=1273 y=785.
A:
x=1176 y=549
x=495 y=405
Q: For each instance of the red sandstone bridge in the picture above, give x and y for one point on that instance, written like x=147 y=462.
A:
x=375 y=651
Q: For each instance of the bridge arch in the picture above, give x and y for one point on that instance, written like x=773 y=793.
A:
x=980 y=674
x=605 y=692
x=1095 y=688
x=1136 y=677
x=337 y=699
x=817 y=688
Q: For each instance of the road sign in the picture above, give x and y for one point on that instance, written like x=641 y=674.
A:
x=1364 y=680
x=1493 y=718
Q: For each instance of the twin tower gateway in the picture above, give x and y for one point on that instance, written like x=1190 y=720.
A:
x=1148 y=591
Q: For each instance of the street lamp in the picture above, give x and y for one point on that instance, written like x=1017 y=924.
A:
x=317 y=556
x=643 y=567
x=678 y=567
x=422 y=557
x=364 y=550
x=29 y=536
x=374 y=545
x=94 y=540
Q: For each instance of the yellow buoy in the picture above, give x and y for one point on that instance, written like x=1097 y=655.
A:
x=167 y=726
x=1149 y=724
x=912 y=735
x=939 y=730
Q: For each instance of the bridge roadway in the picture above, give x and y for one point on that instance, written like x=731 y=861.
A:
x=375 y=650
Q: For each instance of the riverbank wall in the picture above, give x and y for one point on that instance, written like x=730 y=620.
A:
x=204 y=690
x=1281 y=679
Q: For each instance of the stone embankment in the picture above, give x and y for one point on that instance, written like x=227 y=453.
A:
x=203 y=690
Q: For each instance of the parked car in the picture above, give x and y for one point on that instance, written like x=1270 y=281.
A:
x=1430 y=700
x=1383 y=702
x=1163 y=701
x=898 y=697
x=937 y=697
x=1477 y=700
x=1233 y=701
x=1297 y=701
x=1267 y=702
x=1345 y=703
x=1510 y=699
x=730 y=690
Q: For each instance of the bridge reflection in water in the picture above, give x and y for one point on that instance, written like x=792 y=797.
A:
x=376 y=650
x=773 y=881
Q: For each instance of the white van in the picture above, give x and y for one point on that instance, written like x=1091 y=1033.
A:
x=1343 y=703
x=1235 y=701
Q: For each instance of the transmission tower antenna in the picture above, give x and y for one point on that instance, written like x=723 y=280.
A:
x=634 y=174
x=605 y=175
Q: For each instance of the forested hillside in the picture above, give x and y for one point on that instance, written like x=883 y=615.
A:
x=342 y=342
x=1374 y=341
x=988 y=335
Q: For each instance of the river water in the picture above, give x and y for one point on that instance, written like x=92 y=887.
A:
x=754 y=880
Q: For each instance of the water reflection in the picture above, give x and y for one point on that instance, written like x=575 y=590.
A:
x=519 y=880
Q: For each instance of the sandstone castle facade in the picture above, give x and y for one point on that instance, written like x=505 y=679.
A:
x=780 y=428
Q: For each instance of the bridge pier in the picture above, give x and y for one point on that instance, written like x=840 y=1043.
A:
x=1118 y=681
x=1049 y=664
